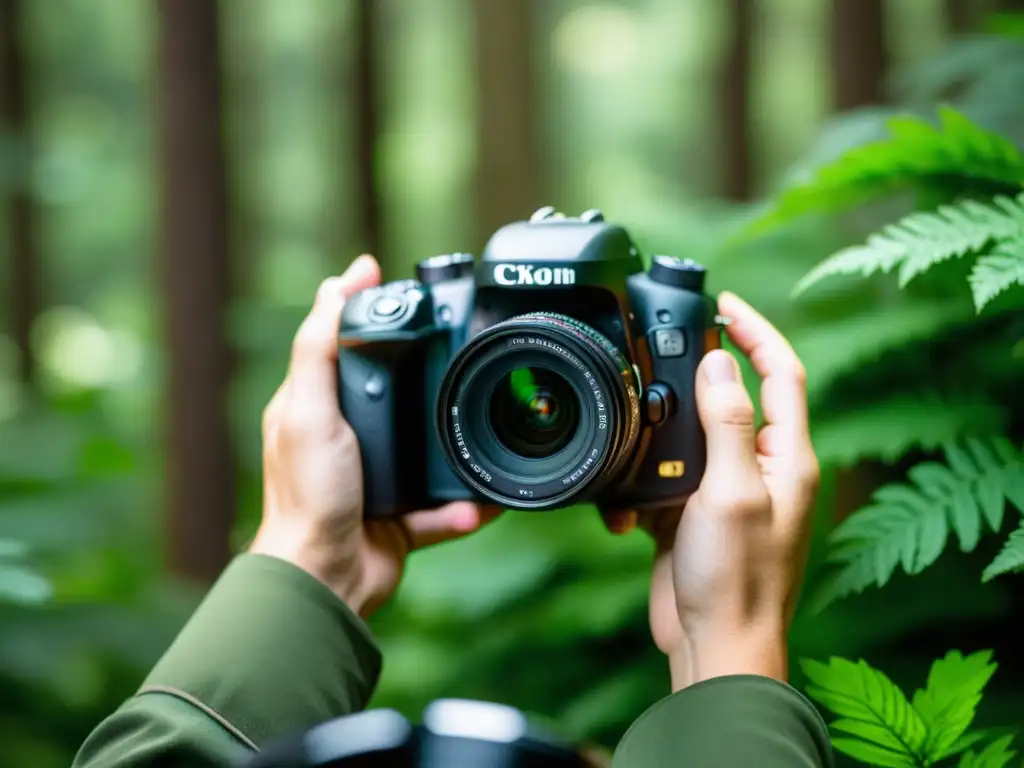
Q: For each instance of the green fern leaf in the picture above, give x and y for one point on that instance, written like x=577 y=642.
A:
x=996 y=272
x=907 y=525
x=950 y=698
x=921 y=240
x=915 y=151
x=886 y=430
x=996 y=755
x=1010 y=559
x=887 y=729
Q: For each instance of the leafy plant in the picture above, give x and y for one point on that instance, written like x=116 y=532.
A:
x=879 y=725
x=907 y=525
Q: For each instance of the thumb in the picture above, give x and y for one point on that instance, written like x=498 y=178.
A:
x=727 y=415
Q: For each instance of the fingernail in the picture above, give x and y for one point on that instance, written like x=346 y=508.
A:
x=719 y=367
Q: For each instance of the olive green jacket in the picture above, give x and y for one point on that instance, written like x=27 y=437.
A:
x=271 y=651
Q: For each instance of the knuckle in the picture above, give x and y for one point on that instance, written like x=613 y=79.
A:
x=799 y=373
x=735 y=413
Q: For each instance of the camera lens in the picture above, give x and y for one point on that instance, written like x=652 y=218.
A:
x=534 y=412
x=537 y=412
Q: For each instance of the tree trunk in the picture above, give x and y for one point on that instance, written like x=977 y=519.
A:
x=195 y=281
x=367 y=128
x=508 y=159
x=859 y=53
x=734 y=111
x=23 y=295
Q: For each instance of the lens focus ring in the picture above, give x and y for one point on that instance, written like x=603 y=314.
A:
x=558 y=439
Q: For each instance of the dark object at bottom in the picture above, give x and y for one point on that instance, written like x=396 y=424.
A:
x=454 y=734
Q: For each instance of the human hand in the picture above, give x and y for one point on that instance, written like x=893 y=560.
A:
x=728 y=571
x=312 y=473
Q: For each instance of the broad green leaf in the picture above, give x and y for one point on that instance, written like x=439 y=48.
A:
x=858 y=693
x=21 y=585
x=950 y=697
x=872 y=754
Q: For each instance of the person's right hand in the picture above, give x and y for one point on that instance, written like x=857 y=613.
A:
x=728 y=571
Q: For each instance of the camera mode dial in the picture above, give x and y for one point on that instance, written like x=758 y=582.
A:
x=678 y=273
x=447 y=266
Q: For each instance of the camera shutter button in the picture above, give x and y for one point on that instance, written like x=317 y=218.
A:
x=386 y=308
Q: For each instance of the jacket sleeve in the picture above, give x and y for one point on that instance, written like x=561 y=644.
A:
x=270 y=652
x=730 y=721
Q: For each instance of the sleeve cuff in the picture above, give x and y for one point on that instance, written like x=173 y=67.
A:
x=270 y=651
x=726 y=721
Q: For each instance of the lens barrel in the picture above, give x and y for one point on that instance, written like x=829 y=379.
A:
x=538 y=412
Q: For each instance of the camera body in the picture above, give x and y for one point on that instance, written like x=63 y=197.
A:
x=554 y=371
x=453 y=733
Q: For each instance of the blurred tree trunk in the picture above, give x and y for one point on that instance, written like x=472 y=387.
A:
x=508 y=184
x=734 y=111
x=859 y=53
x=14 y=126
x=367 y=128
x=859 y=67
x=195 y=279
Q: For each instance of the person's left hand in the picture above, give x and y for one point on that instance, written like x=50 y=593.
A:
x=312 y=473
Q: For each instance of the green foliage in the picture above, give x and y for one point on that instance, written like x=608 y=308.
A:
x=18 y=582
x=996 y=755
x=1010 y=559
x=923 y=240
x=915 y=152
x=881 y=726
x=907 y=525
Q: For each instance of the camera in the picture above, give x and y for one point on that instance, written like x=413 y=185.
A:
x=554 y=370
x=454 y=733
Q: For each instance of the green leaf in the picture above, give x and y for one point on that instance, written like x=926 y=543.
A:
x=948 y=702
x=872 y=754
x=915 y=151
x=871 y=707
x=888 y=429
x=1010 y=558
x=996 y=272
x=996 y=755
x=907 y=525
x=21 y=585
x=923 y=239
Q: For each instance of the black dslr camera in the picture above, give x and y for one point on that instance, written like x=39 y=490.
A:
x=554 y=371
x=454 y=733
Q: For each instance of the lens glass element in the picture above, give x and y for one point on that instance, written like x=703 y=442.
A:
x=534 y=412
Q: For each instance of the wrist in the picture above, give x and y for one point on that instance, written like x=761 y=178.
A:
x=342 y=574
x=752 y=650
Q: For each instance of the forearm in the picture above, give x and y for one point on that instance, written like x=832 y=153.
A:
x=270 y=651
x=751 y=651
x=723 y=722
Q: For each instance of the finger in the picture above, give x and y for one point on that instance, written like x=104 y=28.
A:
x=619 y=521
x=727 y=415
x=315 y=350
x=784 y=386
x=451 y=521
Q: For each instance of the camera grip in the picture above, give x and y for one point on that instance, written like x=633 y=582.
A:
x=380 y=393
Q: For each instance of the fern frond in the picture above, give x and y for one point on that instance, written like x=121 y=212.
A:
x=915 y=151
x=887 y=730
x=907 y=524
x=1010 y=558
x=950 y=698
x=887 y=429
x=995 y=272
x=921 y=240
